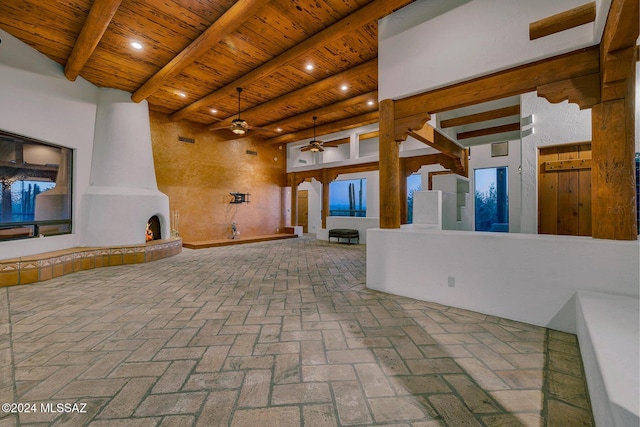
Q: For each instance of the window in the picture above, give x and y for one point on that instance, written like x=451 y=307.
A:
x=491 y=199
x=36 y=188
x=414 y=183
x=348 y=198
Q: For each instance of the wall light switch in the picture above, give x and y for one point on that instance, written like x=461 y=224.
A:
x=452 y=282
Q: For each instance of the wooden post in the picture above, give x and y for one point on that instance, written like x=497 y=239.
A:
x=613 y=171
x=389 y=168
x=325 y=197
x=613 y=195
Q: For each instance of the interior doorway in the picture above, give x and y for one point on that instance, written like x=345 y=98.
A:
x=303 y=210
x=564 y=192
x=492 y=199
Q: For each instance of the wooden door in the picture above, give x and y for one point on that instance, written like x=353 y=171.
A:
x=303 y=210
x=564 y=193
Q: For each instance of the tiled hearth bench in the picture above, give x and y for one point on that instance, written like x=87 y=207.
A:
x=45 y=266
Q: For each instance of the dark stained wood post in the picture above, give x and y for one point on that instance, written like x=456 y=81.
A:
x=389 y=168
x=325 y=197
x=613 y=170
x=613 y=195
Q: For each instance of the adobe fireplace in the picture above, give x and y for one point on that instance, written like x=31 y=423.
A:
x=123 y=193
x=153 y=231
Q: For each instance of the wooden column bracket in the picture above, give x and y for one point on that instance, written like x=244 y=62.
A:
x=584 y=91
x=435 y=139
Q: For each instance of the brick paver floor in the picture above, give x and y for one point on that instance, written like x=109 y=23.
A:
x=279 y=334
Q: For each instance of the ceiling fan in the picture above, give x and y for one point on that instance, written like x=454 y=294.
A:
x=238 y=126
x=314 y=145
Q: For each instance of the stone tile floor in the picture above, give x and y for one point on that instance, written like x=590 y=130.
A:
x=278 y=333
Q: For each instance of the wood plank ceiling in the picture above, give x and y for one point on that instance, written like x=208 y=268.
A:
x=196 y=52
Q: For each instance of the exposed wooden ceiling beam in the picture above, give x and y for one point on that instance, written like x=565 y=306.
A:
x=327 y=128
x=618 y=48
x=336 y=142
x=227 y=23
x=369 y=135
x=435 y=139
x=94 y=27
x=512 y=110
x=331 y=82
x=563 y=21
x=511 y=127
x=514 y=81
x=371 y=12
x=323 y=111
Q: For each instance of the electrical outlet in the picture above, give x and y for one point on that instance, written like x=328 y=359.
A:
x=451 y=282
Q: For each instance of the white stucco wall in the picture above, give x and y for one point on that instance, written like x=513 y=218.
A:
x=555 y=124
x=123 y=193
x=426 y=57
x=39 y=102
x=522 y=277
x=314 y=189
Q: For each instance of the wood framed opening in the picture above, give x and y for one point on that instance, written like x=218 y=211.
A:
x=564 y=190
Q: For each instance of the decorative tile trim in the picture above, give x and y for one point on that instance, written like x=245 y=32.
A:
x=19 y=271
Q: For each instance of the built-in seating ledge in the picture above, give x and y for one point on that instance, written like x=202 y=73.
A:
x=45 y=266
x=608 y=328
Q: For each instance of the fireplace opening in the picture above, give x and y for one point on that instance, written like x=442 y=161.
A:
x=153 y=229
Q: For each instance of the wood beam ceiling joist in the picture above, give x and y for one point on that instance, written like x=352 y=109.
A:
x=95 y=25
x=327 y=128
x=514 y=81
x=290 y=98
x=336 y=142
x=324 y=111
x=563 y=21
x=435 y=139
x=512 y=110
x=369 y=135
x=226 y=24
x=371 y=12
x=494 y=130
x=412 y=165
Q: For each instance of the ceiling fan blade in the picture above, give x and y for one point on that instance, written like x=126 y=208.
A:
x=306 y=148
x=262 y=130
x=332 y=144
x=220 y=127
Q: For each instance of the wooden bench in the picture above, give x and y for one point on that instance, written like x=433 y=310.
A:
x=344 y=233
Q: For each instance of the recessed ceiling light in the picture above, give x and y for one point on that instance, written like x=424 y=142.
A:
x=214 y=111
x=309 y=67
x=344 y=87
x=136 y=45
x=279 y=130
x=182 y=94
x=370 y=103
